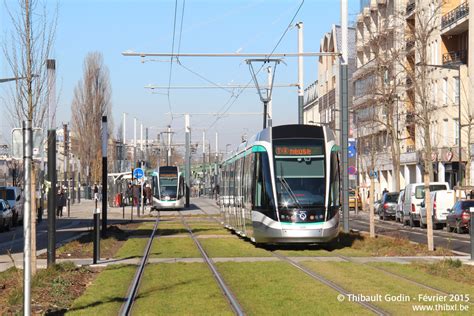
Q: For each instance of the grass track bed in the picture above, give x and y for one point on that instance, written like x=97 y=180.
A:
x=180 y=289
x=180 y=247
x=415 y=273
x=231 y=247
x=276 y=288
x=105 y=296
x=364 y=280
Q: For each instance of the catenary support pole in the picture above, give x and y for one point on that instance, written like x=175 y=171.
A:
x=187 y=158
x=344 y=115
x=300 y=73
x=269 y=106
x=104 y=175
x=52 y=197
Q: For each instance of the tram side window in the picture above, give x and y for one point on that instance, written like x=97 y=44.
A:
x=247 y=181
x=181 y=187
x=154 y=180
x=334 y=181
x=263 y=190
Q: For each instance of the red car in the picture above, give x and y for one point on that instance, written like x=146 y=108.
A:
x=459 y=217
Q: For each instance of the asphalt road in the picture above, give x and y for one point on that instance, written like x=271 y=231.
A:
x=452 y=241
x=81 y=222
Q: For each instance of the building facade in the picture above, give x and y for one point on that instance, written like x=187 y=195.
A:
x=392 y=52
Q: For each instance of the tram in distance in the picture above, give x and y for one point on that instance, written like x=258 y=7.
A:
x=168 y=188
x=283 y=186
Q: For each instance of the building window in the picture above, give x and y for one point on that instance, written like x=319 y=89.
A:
x=456 y=90
x=445 y=91
x=445 y=132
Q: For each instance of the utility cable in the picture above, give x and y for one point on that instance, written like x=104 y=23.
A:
x=172 y=56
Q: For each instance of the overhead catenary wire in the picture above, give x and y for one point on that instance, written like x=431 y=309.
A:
x=272 y=52
x=172 y=56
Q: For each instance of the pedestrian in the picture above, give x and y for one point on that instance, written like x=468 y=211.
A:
x=60 y=203
x=136 y=194
x=384 y=191
x=129 y=193
x=96 y=192
x=148 y=194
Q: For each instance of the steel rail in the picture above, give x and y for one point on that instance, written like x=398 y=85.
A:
x=329 y=283
x=325 y=281
x=133 y=289
x=225 y=289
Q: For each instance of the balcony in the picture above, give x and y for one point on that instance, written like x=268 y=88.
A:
x=455 y=57
x=456 y=21
x=410 y=9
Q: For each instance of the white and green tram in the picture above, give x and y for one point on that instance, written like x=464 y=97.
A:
x=168 y=188
x=283 y=186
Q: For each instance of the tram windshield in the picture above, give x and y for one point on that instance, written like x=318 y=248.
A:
x=299 y=170
x=168 y=185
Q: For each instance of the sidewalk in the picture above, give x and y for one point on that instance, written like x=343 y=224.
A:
x=67 y=229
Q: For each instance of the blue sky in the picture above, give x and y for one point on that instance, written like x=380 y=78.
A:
x=249 y=26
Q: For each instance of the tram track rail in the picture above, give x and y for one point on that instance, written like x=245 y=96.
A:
x=387 y=228
x=135 y=284
x=233 y=302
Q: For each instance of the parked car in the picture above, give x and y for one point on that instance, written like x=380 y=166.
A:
x=414 y=195
x=459 y=217
x=387 y=206
x=376 y=205
x=399 y=208
x=6 y=215
x=354 y=199
x=14 y=197
x=441 y=201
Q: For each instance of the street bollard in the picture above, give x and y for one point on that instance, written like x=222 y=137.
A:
x=96 y=234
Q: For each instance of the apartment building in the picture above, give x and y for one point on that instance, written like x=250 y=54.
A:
x=321 y=105
x=391 y=27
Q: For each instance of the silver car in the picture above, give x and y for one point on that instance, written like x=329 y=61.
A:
x=6 y=215
x=388 y=205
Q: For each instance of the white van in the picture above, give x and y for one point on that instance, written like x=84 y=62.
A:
x=441 y=202
x=15 y=198
x=414 y=196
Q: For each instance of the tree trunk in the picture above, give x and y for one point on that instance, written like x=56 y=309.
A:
x=371 y=208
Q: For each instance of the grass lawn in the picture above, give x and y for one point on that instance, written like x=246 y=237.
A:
x=231 y=247
x=180 y=247
x=440 y=275
x=180 y=289
x=364 y=280
x=106 y=295
x=276 y=288
x=52 y=290
x=209 y=228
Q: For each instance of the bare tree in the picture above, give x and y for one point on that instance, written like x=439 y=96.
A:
x=423 y=31
x=92 y=100
x=26 y=51
x=28 y=47
x=387 y=84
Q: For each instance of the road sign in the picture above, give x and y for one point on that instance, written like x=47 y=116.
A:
x=138 y=173
x=17 y=143
x=352 y=170
x=351 y=149
x=373 y=174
